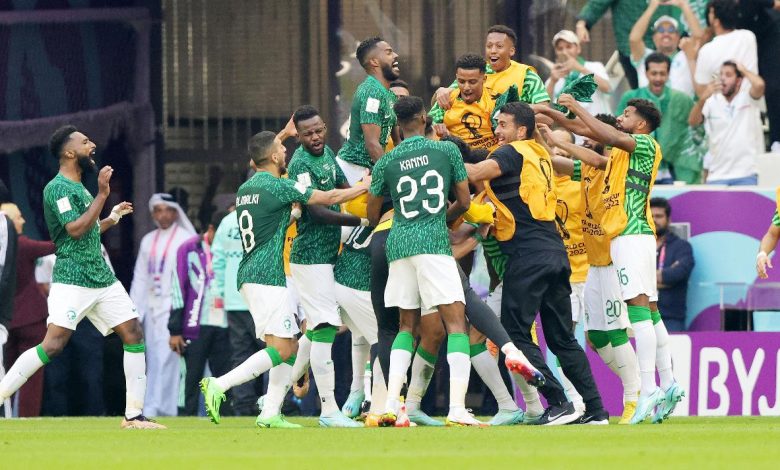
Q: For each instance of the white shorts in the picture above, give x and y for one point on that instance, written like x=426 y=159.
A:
x=357 y=312
x=295 y=300
x=317 y=291
x=105 y=307
x=494 y=299
x=604 y=306
x=271 y=310
x=633 y=257
x=424 y=282
x=577 y=298
x=354 y=173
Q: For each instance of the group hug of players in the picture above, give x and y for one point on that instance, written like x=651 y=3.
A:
x=370 y=239
x=566 y=230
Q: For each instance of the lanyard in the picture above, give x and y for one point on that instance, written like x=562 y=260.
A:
x=662 y=256
x=153 y=254
x=209 y=264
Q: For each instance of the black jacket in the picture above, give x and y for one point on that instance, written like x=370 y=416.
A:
x=678 y=264
x=7 y=269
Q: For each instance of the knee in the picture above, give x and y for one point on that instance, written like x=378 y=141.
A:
x=287 y=348
x=132 y=333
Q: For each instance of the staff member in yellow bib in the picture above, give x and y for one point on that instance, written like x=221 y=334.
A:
x=469 y=116
x=518 y=178
x=627 y=221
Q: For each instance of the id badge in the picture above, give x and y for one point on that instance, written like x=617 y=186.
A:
x=157 y=286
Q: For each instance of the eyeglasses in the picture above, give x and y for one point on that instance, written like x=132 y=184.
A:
x=670 y=29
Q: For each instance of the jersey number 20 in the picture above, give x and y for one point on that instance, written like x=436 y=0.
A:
x=433 y=188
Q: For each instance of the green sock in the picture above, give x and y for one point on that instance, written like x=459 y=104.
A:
x=598 y=338
x=291 y=360
x=476 y=349
x=637 y=313
x=276 y=358
x=655 y=316
x=431 y=358
x=42 y=354
x=403 y=340
x=458 y=343
x=326 y=334
x=618 y=337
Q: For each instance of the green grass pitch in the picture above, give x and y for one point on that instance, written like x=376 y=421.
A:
x=691 y=443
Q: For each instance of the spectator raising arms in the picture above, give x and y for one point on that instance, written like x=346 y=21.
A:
x=729 y=108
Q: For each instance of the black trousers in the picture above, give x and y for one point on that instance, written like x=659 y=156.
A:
x=243 y=343
x=212 y=345
x=540 y=283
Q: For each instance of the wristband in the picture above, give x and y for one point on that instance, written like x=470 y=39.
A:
x=478 y=237
x=364 y=222
x=761 y=253
x=115 y=216
x=296 y=213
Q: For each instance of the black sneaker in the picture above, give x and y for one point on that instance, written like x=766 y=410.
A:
x=556 y=415
x=600 y=417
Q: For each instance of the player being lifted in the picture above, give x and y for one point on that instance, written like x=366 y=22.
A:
x=372 y=120
x=627 y=222
x=418 y=174
x=83 y=284
x=263 y=206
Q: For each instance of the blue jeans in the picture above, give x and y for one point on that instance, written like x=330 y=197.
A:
x=751 y=180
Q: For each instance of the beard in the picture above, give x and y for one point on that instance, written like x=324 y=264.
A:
x=661 y=231
x=389 y=73
x=87 y=165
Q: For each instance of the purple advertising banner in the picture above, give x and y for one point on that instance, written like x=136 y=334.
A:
x=723 y=374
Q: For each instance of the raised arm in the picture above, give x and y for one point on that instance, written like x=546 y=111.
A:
x=336 y=196
x=600 y=131
x=565 y=165
x=324 y=216
x=694 y=27
x=573 y=125
x=636 y=37
x=757 y=84
x=87 y=220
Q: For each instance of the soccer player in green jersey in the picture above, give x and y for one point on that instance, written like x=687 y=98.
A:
x=313 y=255
x=418 y=174
x=372 y=120
x=263 y=206
x=83 y=285
x=633 y=249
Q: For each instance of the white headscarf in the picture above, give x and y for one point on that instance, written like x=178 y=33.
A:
x=170 y=201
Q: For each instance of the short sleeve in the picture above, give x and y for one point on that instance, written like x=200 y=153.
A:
x=508 y=159
x=702 y=74
x=577 y=173
x=64 y=202
x=372 y=108
x=297 y=171
x=456 y=161
x=293 y=191
x=533 y=89
x=378 y=178
x=645 y=146
x=776 y=219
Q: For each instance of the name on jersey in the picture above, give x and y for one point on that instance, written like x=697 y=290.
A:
x=414 y=162
x=247 y=199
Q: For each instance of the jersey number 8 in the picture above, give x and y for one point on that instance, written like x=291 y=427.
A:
x=436 y=189
x=245 y=226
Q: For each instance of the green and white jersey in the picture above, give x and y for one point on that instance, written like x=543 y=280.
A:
x=353 y=268
x=418 y=175
x=776 y=219
x=79 y=261
x=263 y=207
x=316 y=243
x=371 y=104
x=641 y=162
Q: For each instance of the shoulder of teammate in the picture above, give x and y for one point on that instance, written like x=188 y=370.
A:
x=533 y=90
x=508 y=159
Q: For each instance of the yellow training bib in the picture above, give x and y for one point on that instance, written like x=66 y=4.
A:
x=568 y=218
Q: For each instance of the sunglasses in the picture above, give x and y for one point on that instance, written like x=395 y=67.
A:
x=670 y=29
